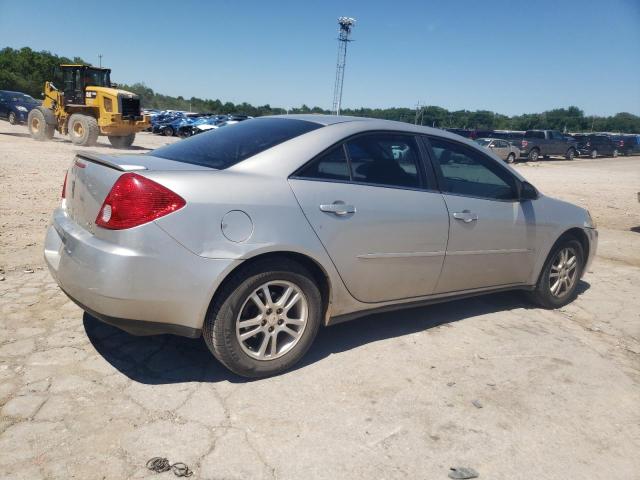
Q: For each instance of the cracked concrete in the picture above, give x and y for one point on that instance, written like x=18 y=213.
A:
x=387 y=396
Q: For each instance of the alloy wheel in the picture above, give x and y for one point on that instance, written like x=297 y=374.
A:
x=272 y=320
x=564 y=272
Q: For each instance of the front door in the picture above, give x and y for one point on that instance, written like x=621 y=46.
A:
x=384 y=230
x=491 y=235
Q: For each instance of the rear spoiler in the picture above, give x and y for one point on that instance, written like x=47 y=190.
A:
x=108 y=161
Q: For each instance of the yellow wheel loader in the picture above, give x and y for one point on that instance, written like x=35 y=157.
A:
x=85 y=105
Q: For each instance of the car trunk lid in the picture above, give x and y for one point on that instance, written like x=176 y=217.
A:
x=92 y=175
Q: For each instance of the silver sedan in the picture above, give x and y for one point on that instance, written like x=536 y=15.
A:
x=256 y=236
x=502 y=148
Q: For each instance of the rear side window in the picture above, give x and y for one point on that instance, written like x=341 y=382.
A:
x=331 y=165
x=224 y=147
x=385 y=159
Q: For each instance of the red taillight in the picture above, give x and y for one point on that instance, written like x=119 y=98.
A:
x=64 y=185
x=134 y=200
x=524 y=144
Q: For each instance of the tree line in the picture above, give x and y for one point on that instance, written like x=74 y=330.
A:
x=26 y=70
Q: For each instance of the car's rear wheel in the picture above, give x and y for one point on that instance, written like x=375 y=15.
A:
x=511 y=158
x=12 y=118
x=534 y=155
x=615 y=153
x=594 y=153
x=558 y=281
x=264 y=318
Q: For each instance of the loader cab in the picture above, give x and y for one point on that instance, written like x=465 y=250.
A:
x=76 y=78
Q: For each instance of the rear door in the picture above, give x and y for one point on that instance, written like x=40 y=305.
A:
x=491 y=235
x=501 y=148
x=371 y=204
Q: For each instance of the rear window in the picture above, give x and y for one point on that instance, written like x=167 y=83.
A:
x=224 y=147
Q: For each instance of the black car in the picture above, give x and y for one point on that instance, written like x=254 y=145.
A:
x=15 y=106
x=599 y=145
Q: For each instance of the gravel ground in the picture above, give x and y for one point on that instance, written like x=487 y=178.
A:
x=489 y=383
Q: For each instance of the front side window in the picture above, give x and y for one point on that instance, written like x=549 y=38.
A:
x=468 y=172
x=385 y=159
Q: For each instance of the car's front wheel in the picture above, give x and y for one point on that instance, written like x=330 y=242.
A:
x=594 y=153
x=12 y=118
x=511 y=158
x=264 y=318
x=571 y=154
x=558 y=281
x=534 y=154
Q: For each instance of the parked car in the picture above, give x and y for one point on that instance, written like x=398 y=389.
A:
x=502 y=148
x=600 y=145
x=15 y=106
x=254 y=236
x=547 y=143
x=630 y=145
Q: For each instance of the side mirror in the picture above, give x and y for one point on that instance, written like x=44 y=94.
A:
x=528 y=191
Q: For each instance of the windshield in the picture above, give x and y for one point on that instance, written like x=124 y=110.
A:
x=224 y=147
x=22 y=98
x=483 y=142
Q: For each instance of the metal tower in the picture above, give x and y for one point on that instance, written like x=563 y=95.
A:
x=346 y=24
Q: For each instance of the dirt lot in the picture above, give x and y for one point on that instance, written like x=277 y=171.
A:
x=387 y=396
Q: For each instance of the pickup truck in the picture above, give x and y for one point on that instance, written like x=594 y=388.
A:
x=546 y=143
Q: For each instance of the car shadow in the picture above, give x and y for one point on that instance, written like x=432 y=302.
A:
x=66 y=140
x=635 y=229
x=167 y=359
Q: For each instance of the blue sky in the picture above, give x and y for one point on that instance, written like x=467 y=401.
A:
x=508 y=56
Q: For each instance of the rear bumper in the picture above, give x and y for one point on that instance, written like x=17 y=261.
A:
x=155 y=286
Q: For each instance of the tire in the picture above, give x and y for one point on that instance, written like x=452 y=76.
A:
x=593 y=153
x=122 y=142
x=542 y=295
x=167 y=132
x=235 y=300
x=83 y=130
x=12 y=118
x=511 y=158
x=534 y=155
x=615 y=153
x=571 y=154
x=39 y=129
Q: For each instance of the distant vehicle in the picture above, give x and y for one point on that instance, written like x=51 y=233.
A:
x=600 y=145
x=463 y=132
x=630 y=145
x=536 y=143
x=15 y=106
x=505 y=150
x=512 y=136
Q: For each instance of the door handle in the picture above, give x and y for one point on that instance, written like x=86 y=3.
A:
x=466 y=216
x=338 y=208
